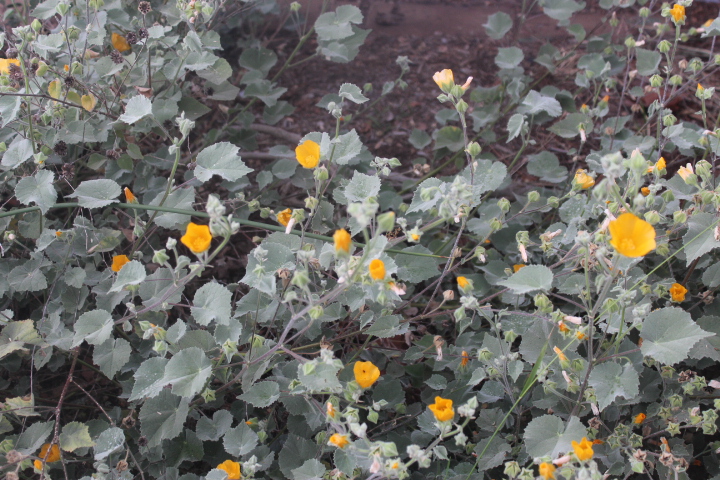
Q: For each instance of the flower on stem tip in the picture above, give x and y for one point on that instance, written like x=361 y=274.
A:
x=231 y=468
x=118 y=262
x=338 y=440
x=583 y=450
x=330 y=410
x=377 y=269
x=343 y=241
x=547 y=470
x=129 y=196
x=632 y=236
x=465 y=359
x=678 y=13
x=5 y=64
x=463 y=282
x=659 y=165
x=366 y=373
x=583 y=180
x=48 y=457
x=677 y=292
x=120 y=43
x=686 y=171
x=639 y=418
x=442 y=409
x=283 y=217
x=197 y=237
x=308 y=154
x=444 y=79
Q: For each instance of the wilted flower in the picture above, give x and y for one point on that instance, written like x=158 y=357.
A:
x=330 y=410
x=547 y=470
x=118 y=262
x=632 y=236
x=465 y=359
x=677 y=292
x=5 y=64
x=377 y=269
x=560 y=354
x=197 y=237
x=120 y=43
x=366 y=373
x=686 y=171
x=518 y=266
x=231 y=468
x=129 y=196
x=338 y=440
x=442 y=409
x=308 y=154
x=583 y=450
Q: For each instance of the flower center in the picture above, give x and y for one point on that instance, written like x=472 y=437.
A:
x=626 y=244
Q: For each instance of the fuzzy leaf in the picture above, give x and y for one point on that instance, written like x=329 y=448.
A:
x=96 y=193
x=668 y=335
x=220 y=159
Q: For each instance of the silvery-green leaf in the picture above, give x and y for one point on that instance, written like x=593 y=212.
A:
x=262 y=394
x=162 y=417
x=529 y=279
x=187 y=371
x=220 y=159
x=75 y=435
x=94 y=326
x=610 y=380
x=669 y=334
x=362 y=186
x=353 y=93
x=548 y=435
x=108 y=442
x=498 y=24
x=240 y=440
x=212 y=302
x=208 y=429
x=32 y=438
x=132 y=273
x=138 y=107
x=149 y=378
x=96 y=193
x=310 y=470
x=112 y=355
x=700 y=236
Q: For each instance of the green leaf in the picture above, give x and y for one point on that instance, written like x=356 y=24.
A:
x=259 y=59
x=495 y=453
x=353 y=93
x=420 y=205
x=310 y=470
x=569 y=127
x=265 y=91
x=509 y=57
x=21 y=406
x=498 y=24
x=132 y=273
x=700 y=237
x=386 y=327
x=449 y=137
x=181 y=198
x=711 y=276
x=278 y=256
x=294 y=453
x=220 y=159
x=529 y=279
x=414 y=268
x=647 y=61
x=610 y=381
x=347 y=147
x=322 y=379
x=515 y=126
x=548 y=436
x=562 y=10
x=75 y=435
x=95 y=327
x=345 y=462
x=162 y=417
x=18 y=152
x=217 y=73
x=112 y=355
x=546 y=166
x=149 y=378
x=16 y=335
x=187 y=371
x=337 y=25
x=668 y=335
x=138 y=107
x=207 y=429
x=535 y=102
x=38 y=189
x=9 y=109
x=28 y=277
x=109 y=441
x=262 y=394
x=419 y=139
x=32 y=438
x=212 y=302
x=240 y=440
x=362 y=186
x=96 y=193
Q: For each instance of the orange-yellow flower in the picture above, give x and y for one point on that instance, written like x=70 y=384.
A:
x=52 y=456
x=518 y=266
x=547 y=470
x=366 y=373
x=6 y=62
x=130 y=196
x=118 y=262
x=463 y=282
x=562 y=327
x=686 y=171
x=120 y=43
x=605 y=99
x=414 y=237
x=58 y=234
x=700 y=88
x=597 y=441
x=631 y=236
x=583 y=180
x=284 y=217
x=197 y=238
x=560 y=354
x=678 y=13
x=308 y=154
x=231 y=468
x=580 y=336
x=645 y=191
x=377 y=269
x=583 y=450
x=677 y=292
x=660 y=165
x=639 y=418
x=343 y=241
x=442 y=409
x=338 y=440
x=330 y=410
x=465 y=359
x=444 y=79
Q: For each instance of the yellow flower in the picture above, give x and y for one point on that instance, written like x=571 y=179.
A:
x=283 y=217
x=580 y=336
x=5 y=64
x=677 y=292
x=414 y=237
x=395 y=465
x=700 y=88
x=343 y=241
x=583 y=180
x=560 y=354
x=338 y=440
x=52 y=456
x=366 y=373
x=708 y=22
x=58 y=234
x=231 y=468
x=118 y=262
x=678 y=13
x=463 y=282
x=444 y=79
x=605 y=99
x=645 y=191
x=197 y=238
x=465 y=359
x=129 y=196
x=442 y=409
x=120 y=44
x=308 y=154
x=632 y=236
x=686 y=171
x=377 y=269
x=639 y=418
x=330 y=410
x=66 y=67
x=518 y=266
x=547 y=470
x=659 y=165
x=583 y=450
x=562 y=327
